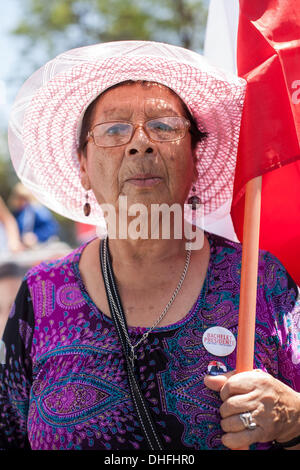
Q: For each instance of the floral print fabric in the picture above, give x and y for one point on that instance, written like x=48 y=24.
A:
x=64 y=383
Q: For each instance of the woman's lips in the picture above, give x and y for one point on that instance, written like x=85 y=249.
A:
x=144 y=180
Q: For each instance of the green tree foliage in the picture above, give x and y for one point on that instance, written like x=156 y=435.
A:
x=8 y=176
x=49 y=27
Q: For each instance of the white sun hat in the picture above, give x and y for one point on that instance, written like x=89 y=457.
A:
x=46 y=118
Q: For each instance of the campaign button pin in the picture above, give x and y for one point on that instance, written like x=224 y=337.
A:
x=219 y=341
x=216 y=368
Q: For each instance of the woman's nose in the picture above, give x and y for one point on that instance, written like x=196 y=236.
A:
x=140 y=143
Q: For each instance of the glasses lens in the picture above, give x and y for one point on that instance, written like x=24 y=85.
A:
x=110 y=134
x=166 y=128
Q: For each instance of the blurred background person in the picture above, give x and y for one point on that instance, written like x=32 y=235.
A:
x=35 y=222
x=9 y=232
x=11 y=275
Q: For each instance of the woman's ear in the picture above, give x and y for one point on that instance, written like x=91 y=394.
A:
x=84 y=177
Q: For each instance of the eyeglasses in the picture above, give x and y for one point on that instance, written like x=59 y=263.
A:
x=115 y=133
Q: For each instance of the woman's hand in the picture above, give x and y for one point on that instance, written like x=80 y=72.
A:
x=275 y=408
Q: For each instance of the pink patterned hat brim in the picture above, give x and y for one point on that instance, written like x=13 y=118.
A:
x=46 y=118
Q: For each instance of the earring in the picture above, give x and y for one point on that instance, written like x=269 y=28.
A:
x=87 y=206
x=194 y=200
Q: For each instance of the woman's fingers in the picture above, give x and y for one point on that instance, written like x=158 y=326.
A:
x=241 y=383
x=232 y=383
x=237 y=436
x=239 y=395
x=237 y=404
x=234 y=423
x=217 y=382
x=242 y=439
x=274 y=408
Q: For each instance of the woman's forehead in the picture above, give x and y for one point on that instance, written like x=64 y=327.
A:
x=151 y=96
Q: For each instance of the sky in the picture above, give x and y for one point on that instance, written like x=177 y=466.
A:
x=10 y=56
x=9 y=47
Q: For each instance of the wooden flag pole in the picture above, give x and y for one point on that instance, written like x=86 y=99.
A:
x=249 y=271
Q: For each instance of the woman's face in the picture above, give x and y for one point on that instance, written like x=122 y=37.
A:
x=146 y=172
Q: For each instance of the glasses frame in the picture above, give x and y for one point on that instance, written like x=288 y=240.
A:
x=90 y=133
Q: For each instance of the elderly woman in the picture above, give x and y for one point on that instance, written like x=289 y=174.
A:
x=112 y=347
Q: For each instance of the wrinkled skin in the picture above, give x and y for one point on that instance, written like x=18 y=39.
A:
x=108 y=171
x=274 y=406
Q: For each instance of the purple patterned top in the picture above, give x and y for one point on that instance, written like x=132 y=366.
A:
x=64 y=384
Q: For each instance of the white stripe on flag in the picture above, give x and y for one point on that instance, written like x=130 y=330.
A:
x=220 y=50
x=221 y=33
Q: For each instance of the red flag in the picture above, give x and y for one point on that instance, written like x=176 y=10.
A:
x=268 y=57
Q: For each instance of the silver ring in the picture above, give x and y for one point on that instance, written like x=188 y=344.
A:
x=248 y=421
